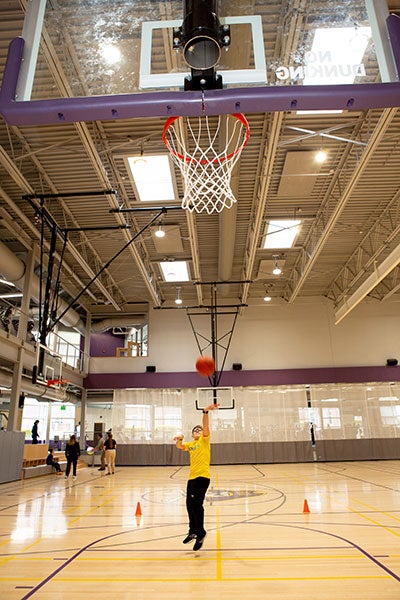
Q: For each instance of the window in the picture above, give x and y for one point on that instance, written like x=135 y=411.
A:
x=331 y=418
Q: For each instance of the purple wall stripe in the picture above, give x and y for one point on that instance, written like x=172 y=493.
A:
x=243 y=378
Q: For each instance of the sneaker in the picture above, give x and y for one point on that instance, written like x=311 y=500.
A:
x=108 y=473
x=102 y=469
x=199 y=542
x=189 y=538
x=66 y=477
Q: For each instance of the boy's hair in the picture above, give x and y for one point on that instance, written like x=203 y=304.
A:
x=197 y=427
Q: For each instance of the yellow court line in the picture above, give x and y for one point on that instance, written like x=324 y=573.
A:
x=226 y=559
x=204 y=558
x=90 y=511
x=200 y=579
x=375 y=509
x=218 y=546
x=218 y=537
x=41 y=538
x=360 y=514
x=355 y=511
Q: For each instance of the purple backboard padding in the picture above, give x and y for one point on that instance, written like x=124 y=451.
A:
x=166 y=104
x=243 y=378
x=393 y=27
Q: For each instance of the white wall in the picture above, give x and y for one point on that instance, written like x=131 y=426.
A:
x=273 y=336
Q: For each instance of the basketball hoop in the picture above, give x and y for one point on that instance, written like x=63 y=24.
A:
x=60 y=386
x=206 y=149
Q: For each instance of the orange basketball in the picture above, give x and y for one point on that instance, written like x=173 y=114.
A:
x=205 y=366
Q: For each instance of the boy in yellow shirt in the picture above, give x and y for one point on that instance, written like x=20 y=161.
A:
x=199 y=477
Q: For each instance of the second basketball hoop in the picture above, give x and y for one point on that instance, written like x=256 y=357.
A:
x=206 y=149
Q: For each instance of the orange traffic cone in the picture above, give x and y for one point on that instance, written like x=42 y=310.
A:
x=305 y=507
x=138 y=512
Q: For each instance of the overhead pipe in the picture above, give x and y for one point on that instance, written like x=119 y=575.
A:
x=13 y=269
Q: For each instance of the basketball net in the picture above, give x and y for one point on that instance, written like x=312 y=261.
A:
x=206 y=149
x=60 y=387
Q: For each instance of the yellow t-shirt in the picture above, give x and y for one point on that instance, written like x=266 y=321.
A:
x=199 y=454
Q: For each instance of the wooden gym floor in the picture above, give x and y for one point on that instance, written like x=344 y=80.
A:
x=65 y=539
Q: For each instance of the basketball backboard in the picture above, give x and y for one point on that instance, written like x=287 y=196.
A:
x=223 y=396
x=276 y=61
x=48 y=367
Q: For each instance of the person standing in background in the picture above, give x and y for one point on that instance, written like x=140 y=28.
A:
x=72 y=453
x=35 y=433
x=110 y=446
x=99 y=447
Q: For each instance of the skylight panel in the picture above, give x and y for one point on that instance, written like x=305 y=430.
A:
x=152 y=177
x=176 y=270
x=281 y=234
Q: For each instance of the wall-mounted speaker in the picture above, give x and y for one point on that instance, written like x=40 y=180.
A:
x=237 y=366
x=21 y=400
x=150 y=369
x=392 y=362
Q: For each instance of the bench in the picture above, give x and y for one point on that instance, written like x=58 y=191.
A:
x=38 y=470
x=34 y=460
x=42 y=469
x=35 y=455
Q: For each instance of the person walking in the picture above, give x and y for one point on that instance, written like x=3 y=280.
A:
x=199 y=477
x=50 y=460
x=110 y=446
x=35 y=433
x=99 y=447
x=72 y=453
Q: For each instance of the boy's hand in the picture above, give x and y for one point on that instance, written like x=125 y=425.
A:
x=211 y=407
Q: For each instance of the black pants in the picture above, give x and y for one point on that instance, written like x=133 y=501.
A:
x=68 y=469
x=55 y=464
x=195 y=493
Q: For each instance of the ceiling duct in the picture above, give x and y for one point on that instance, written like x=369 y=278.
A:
x=13 y=269
x=136 y=321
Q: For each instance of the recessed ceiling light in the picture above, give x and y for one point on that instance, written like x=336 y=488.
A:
x=321 y=156
x=159 y=232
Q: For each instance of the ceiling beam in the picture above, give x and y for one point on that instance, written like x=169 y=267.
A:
x=380 y=272
x=313 y=253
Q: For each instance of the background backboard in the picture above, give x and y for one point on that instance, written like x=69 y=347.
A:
x=48 y=366
x=215 y=395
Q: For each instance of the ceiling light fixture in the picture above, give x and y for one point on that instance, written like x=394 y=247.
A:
x=178 y=299
x=159 y=232
x=321 y=156
x=267 y=297
x=276 y=270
